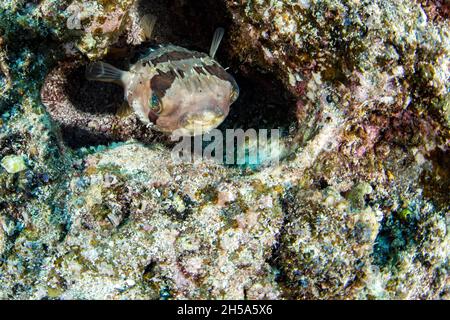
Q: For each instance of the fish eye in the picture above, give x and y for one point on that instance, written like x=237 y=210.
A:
x=155 y=104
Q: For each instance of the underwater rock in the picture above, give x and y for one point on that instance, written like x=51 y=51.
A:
x=325 y=250
x=100 y=24
x=357 y=208
x=140 y=236
x=2 y=236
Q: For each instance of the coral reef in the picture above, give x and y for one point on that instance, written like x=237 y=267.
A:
x=93 y=207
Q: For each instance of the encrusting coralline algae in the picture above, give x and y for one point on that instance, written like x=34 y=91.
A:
x=92 y=206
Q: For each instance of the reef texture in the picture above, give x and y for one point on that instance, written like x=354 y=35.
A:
x=92 y=206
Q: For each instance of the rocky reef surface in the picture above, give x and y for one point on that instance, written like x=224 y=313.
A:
x=93 y=207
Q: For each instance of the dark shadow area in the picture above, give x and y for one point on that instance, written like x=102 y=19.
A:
x=263 y=104
x=91 y=96
x=394 y=237
x=188 y=23
x=77 y=137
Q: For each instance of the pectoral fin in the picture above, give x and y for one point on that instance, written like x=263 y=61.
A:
x=124 y=110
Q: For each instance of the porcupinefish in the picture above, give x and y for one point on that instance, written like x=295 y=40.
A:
x=173 y=89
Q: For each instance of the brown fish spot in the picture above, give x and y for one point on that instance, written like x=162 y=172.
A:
x=162 y=82
x=177 y=56
x=220 y=73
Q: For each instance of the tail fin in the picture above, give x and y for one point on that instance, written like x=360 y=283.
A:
x=101 y=71
x=217 y=39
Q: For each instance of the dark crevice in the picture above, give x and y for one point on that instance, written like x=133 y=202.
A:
x=90 y=96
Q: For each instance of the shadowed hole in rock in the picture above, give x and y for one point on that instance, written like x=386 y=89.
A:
x=264 y=103
x=91 y=96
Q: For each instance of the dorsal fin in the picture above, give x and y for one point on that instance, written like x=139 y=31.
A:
x=217 y=39
x=148 y=23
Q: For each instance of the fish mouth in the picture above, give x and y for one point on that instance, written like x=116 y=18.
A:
x=202 y=122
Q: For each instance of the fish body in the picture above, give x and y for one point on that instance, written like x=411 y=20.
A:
x=177 y=90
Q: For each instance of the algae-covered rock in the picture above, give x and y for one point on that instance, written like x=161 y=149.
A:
x=2 y=237
x=326 y=249
x=137 y=237
x=92 y=205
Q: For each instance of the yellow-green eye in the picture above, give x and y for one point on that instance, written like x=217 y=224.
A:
x=155 y=104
